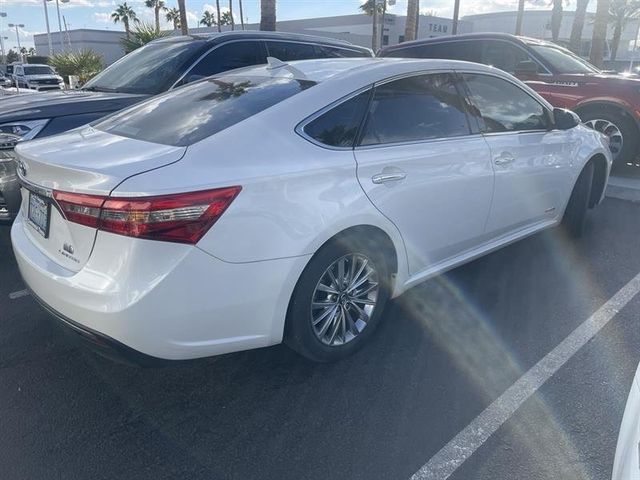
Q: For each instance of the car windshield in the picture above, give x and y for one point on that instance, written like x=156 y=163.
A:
x=563 y=61
x=151 y=69
x=38 y=70
x=189 y=114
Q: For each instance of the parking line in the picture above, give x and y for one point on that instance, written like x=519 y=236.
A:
x=18 y=294
x=465 y=443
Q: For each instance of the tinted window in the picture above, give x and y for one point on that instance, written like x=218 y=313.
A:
x=323 y=51
x=563 y=61
x=227 y=57
x=415 y=108
x=449 y=50
x=287 y=51
x=189 y=114
x=38 y=70
x=338 y=127
x=502 y=106
x=502 y=55
x=150 y=69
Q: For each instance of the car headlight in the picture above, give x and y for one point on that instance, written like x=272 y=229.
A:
x=7 y=156
x=25 y=130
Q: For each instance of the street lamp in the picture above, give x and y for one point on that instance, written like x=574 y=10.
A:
x=46 y=19
x=16 y=26
x=59 y=22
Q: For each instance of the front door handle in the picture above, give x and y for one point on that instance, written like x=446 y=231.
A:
x=388 y=177
x=504 y=159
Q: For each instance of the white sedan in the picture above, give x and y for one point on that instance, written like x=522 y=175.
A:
x=291 y=201
x=626 y=465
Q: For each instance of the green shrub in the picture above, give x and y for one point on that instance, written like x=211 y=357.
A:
x=84 y=63
x=141 y=35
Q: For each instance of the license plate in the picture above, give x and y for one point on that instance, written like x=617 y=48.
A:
x=39 y=214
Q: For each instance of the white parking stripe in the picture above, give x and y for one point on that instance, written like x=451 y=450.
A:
x=465 y=443
x=18 y=294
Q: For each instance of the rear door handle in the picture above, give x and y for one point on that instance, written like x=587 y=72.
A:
x=504 y=159
x=388 y=177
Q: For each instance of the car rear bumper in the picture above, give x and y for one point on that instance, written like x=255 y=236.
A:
x=163 y=300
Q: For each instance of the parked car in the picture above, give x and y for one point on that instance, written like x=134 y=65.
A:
x=158 y=66
x=5 y=82
x=608 y=102
x=626 y=465
x=291 y=201
x=41 y=78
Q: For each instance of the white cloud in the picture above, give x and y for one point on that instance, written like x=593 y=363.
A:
x=102 y=17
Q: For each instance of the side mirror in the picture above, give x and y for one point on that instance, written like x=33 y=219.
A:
x=526 y=68
x=564 y=119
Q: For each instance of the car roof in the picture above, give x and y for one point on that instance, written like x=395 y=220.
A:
x=215 y=38
x=370 y=69
x=467 y=36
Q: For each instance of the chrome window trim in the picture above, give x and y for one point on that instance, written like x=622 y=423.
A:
x=418 y=142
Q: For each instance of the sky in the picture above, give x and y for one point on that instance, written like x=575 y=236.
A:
x=96 y=13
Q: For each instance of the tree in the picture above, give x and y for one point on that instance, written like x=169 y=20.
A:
x=241 y=14
x=233 y=25
x=142 y=34
x=621 y=11
x=218 y=13
x=157 y=6
x=173 y=16
x=13 y=56
x=183 y=17
x=599 y=36
x=556 y=19
x=226 y=19
x=125 y=14
x=268 y=15
x=208 y=19
x=575 y=40
x=368 y=6
x=373 y=9
x=84 y=63
x=456 y=13
x=411 y=25
x=31 y=52
x=519 y=17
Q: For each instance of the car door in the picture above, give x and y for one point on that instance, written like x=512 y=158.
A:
x=423 y=167
x=532 y=161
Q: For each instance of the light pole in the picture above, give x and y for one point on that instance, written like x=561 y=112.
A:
x=2 y=39
x=46 y=18
x=16 y=26
x=59 y=22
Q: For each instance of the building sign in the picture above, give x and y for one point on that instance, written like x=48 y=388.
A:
x=437 y=27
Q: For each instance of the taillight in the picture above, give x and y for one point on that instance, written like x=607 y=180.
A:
x=182 y=217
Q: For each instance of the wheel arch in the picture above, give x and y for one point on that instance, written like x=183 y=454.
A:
x=600 y=174
x=610 y=105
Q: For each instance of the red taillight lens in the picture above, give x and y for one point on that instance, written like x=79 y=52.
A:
x=182 y=217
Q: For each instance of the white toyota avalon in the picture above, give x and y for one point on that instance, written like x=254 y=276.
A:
x=291 y=201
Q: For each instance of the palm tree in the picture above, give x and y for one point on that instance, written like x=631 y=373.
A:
x=411 y=25
x=183 y=17
x=599 y=36
x=268 y=15
x=621 y=12
x=519 y=17
x=208 y=19
x=157 y=6
x=456 y=13
x=373 y=9
x=575 y=40
x=233 y=25
x=556 y=19
x=218 y=14
x=173 y=16
x=225 y=19
x=241 y=14
x=125 y=14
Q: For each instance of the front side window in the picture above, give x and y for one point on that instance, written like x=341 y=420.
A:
x=323 y=51
x=414 y=109
x=455 y=50
x=562 y=60
x=503 y=55
x=503 y=106
x=288 y=51
x=228 y=57
x=339 y=126
x=189 y=114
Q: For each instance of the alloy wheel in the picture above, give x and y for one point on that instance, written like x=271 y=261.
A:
x=344 y=299
x=610 y=129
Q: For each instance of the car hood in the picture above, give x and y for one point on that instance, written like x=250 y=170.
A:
x=56 y=104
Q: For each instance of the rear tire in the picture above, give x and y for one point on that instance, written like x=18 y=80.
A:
x=575 y=216
x=320 y=285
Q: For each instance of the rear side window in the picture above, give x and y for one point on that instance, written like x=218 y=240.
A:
x=194 y=112
x=288 y=51
x=339 y=126
x=323 y=51
x=503 y=106
x=228 y=57
x=415 y=108
x=449 y=50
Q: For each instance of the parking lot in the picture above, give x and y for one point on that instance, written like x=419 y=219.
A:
x=447 y=349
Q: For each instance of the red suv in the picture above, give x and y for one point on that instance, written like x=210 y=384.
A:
x=607 y=102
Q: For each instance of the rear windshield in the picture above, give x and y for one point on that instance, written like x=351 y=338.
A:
x=191 y=113
x=39 y=70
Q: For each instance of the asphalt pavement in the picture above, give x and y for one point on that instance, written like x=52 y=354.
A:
x=446 y=350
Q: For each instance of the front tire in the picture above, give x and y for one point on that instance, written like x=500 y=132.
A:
x=338 y=300
x=575 y=216
x=621 y=130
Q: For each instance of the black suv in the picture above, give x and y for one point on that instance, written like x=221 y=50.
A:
x=158 y=66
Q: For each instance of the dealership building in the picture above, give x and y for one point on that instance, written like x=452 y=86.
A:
x=357 y=29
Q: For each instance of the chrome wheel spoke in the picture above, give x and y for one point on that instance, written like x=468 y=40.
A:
x=361 y=281
x=325 y=314
x=325 y=288
x=328 y=322
x=363 y=301
x=362 y=315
